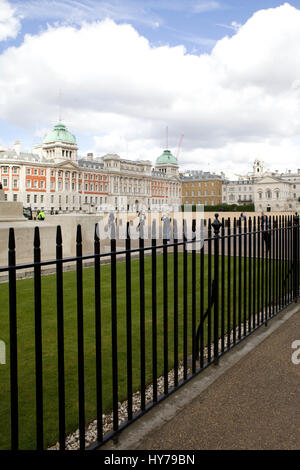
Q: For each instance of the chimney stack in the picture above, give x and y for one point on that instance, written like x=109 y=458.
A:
x=17 y=147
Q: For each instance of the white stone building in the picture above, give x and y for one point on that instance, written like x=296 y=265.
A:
x=268 y=190
x=54 y=179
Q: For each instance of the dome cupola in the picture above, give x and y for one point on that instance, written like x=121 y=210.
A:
x=166 y=157
x=59 y=134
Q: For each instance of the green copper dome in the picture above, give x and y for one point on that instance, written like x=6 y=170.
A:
x=59 y=133
x=167 y=157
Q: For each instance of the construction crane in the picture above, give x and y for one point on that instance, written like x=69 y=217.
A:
x=179 y=145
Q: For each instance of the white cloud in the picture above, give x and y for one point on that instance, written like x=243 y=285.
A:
x=9 y=22
x=203 y=6
x=233 y=105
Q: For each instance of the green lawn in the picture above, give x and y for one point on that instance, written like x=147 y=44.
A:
x=26 y=358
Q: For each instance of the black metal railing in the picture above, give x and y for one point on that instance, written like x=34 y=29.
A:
x=143 y=325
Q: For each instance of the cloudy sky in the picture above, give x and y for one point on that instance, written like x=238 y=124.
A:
x=225 y=73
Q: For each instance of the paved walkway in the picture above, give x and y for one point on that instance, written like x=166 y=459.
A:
x=251 y=400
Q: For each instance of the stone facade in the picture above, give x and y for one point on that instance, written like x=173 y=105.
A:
x=52 y=178
x=201 y=188
x=271 y=191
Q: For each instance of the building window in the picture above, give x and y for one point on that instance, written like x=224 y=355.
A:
x=15 y=183
x=4 y=182
x=28 y=183
x=35 y=199
x=4 y=169
x=15 y=197
x=28 y=198
x=28 y=171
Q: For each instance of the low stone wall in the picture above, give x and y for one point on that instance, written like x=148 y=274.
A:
x=24 y=234
x=11 y=211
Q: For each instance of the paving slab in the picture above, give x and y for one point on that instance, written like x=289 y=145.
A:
x=251 y=400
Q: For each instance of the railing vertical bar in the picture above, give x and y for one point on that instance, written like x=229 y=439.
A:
x=14 y=406
x=296 y=256
x=254 y=238
x=273 y=263
x=60 y=339
x=216 y=226
x=258 y=268
x=38 y=341
x=80 y=339
x=98 y=327
x=229 y=283
x=154 y=313
x=267 y=234
x=246 y=262
x=165 y=309
x=250 y=259
x=270 y=266
x=129 y=324
x=223 y=285
x=280 y=263
x=234 y=279
x=194 y=298
x=285 y=260
x=277 y=264
x=262 y=269
x=209 y=268
x=142 y=318
x=202 y=306
x=288 y=260
x=175 y=288
x=240 y=280
x=114 y=330
x=185 y=302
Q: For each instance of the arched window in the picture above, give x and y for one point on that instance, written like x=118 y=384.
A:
x=268 y=194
